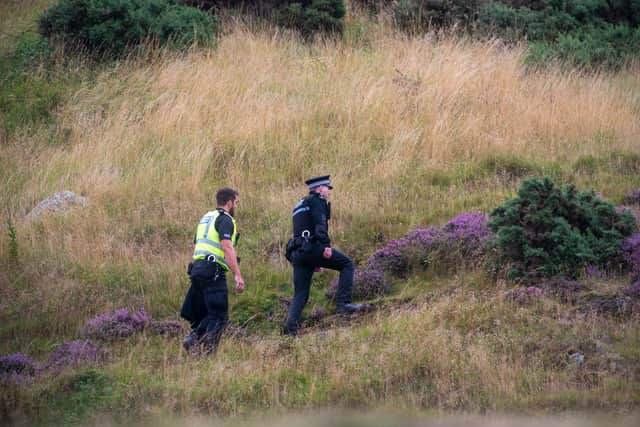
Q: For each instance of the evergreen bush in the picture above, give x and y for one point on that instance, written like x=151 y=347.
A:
x=547 y=231
x=113 y=26
x=307 y=17
x=421 y=15
x=585 y=33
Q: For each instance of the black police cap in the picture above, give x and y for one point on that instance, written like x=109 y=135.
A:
x=319 y=180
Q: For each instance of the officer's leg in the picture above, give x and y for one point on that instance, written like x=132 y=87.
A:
x=344 y=264
x=217 y=301
x=302 y=275
x=211 y=327
x=193 y=310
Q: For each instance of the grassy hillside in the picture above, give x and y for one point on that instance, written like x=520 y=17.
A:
x=413 y=131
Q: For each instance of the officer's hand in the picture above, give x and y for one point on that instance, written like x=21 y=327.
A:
x=317 y=269
x=327 y=253
x=239 y=284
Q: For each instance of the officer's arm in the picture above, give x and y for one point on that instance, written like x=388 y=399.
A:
x=224 y=226
x=231 y=257
x=320 y=224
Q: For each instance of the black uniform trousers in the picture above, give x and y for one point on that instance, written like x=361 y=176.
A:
x=304 y=263
x=206 y=305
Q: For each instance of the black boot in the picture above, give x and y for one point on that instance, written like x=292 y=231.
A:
x=190 y=341
x=347 y=309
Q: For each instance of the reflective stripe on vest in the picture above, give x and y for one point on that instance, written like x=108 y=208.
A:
x=208 y=240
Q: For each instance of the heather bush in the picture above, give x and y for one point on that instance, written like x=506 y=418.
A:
x=633 y=290
x=75 y=353
x=17 y=368
x=367 y=283
x=631 y=250
x=546 y=231
x=633 y=197
x=460 y=242
x=119 y=324
x=389 y=259
x=113 y=26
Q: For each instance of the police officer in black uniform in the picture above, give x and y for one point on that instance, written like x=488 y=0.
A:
x=310 y=249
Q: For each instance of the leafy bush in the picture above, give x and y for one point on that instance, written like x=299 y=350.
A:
x=308 y=17
x=609 y=46
x=29 y=87
x=421 y=15
x=373 y=6
x=313 y=16
x=585 y=33
x=113 y=26
x=546 y=231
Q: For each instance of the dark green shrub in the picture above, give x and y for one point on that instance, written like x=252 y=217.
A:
x=114 y=26
x=372 y=6
x=422 y=15
x=610 y=47
x=27 y=94
x=307 y=17
x=585 y=33
x=547 y=231
x=313 y=16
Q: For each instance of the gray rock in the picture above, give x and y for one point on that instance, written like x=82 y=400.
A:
x=61 y=201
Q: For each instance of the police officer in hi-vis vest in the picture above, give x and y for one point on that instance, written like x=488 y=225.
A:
x=206 y=304
x=310 y=249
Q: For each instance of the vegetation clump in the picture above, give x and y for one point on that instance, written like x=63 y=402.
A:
x=17 y=367
x=75 y=353
x=631 y=250
x=461 y=241
x=111 y=27
x=583 y=33
x=307 y=17
x=588 y=34
x=119 y=324
x=548 y=231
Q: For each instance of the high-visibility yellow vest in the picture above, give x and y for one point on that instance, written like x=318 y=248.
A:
x=207 y=239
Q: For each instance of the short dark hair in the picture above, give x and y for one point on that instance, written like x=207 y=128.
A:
x=225 y=194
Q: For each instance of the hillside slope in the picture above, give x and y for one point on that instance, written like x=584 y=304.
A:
x=413 y=131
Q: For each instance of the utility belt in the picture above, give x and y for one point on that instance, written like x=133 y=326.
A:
x=305 y=240
x=209 y=263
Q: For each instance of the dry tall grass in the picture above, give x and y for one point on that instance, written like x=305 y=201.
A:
x=263 y=112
